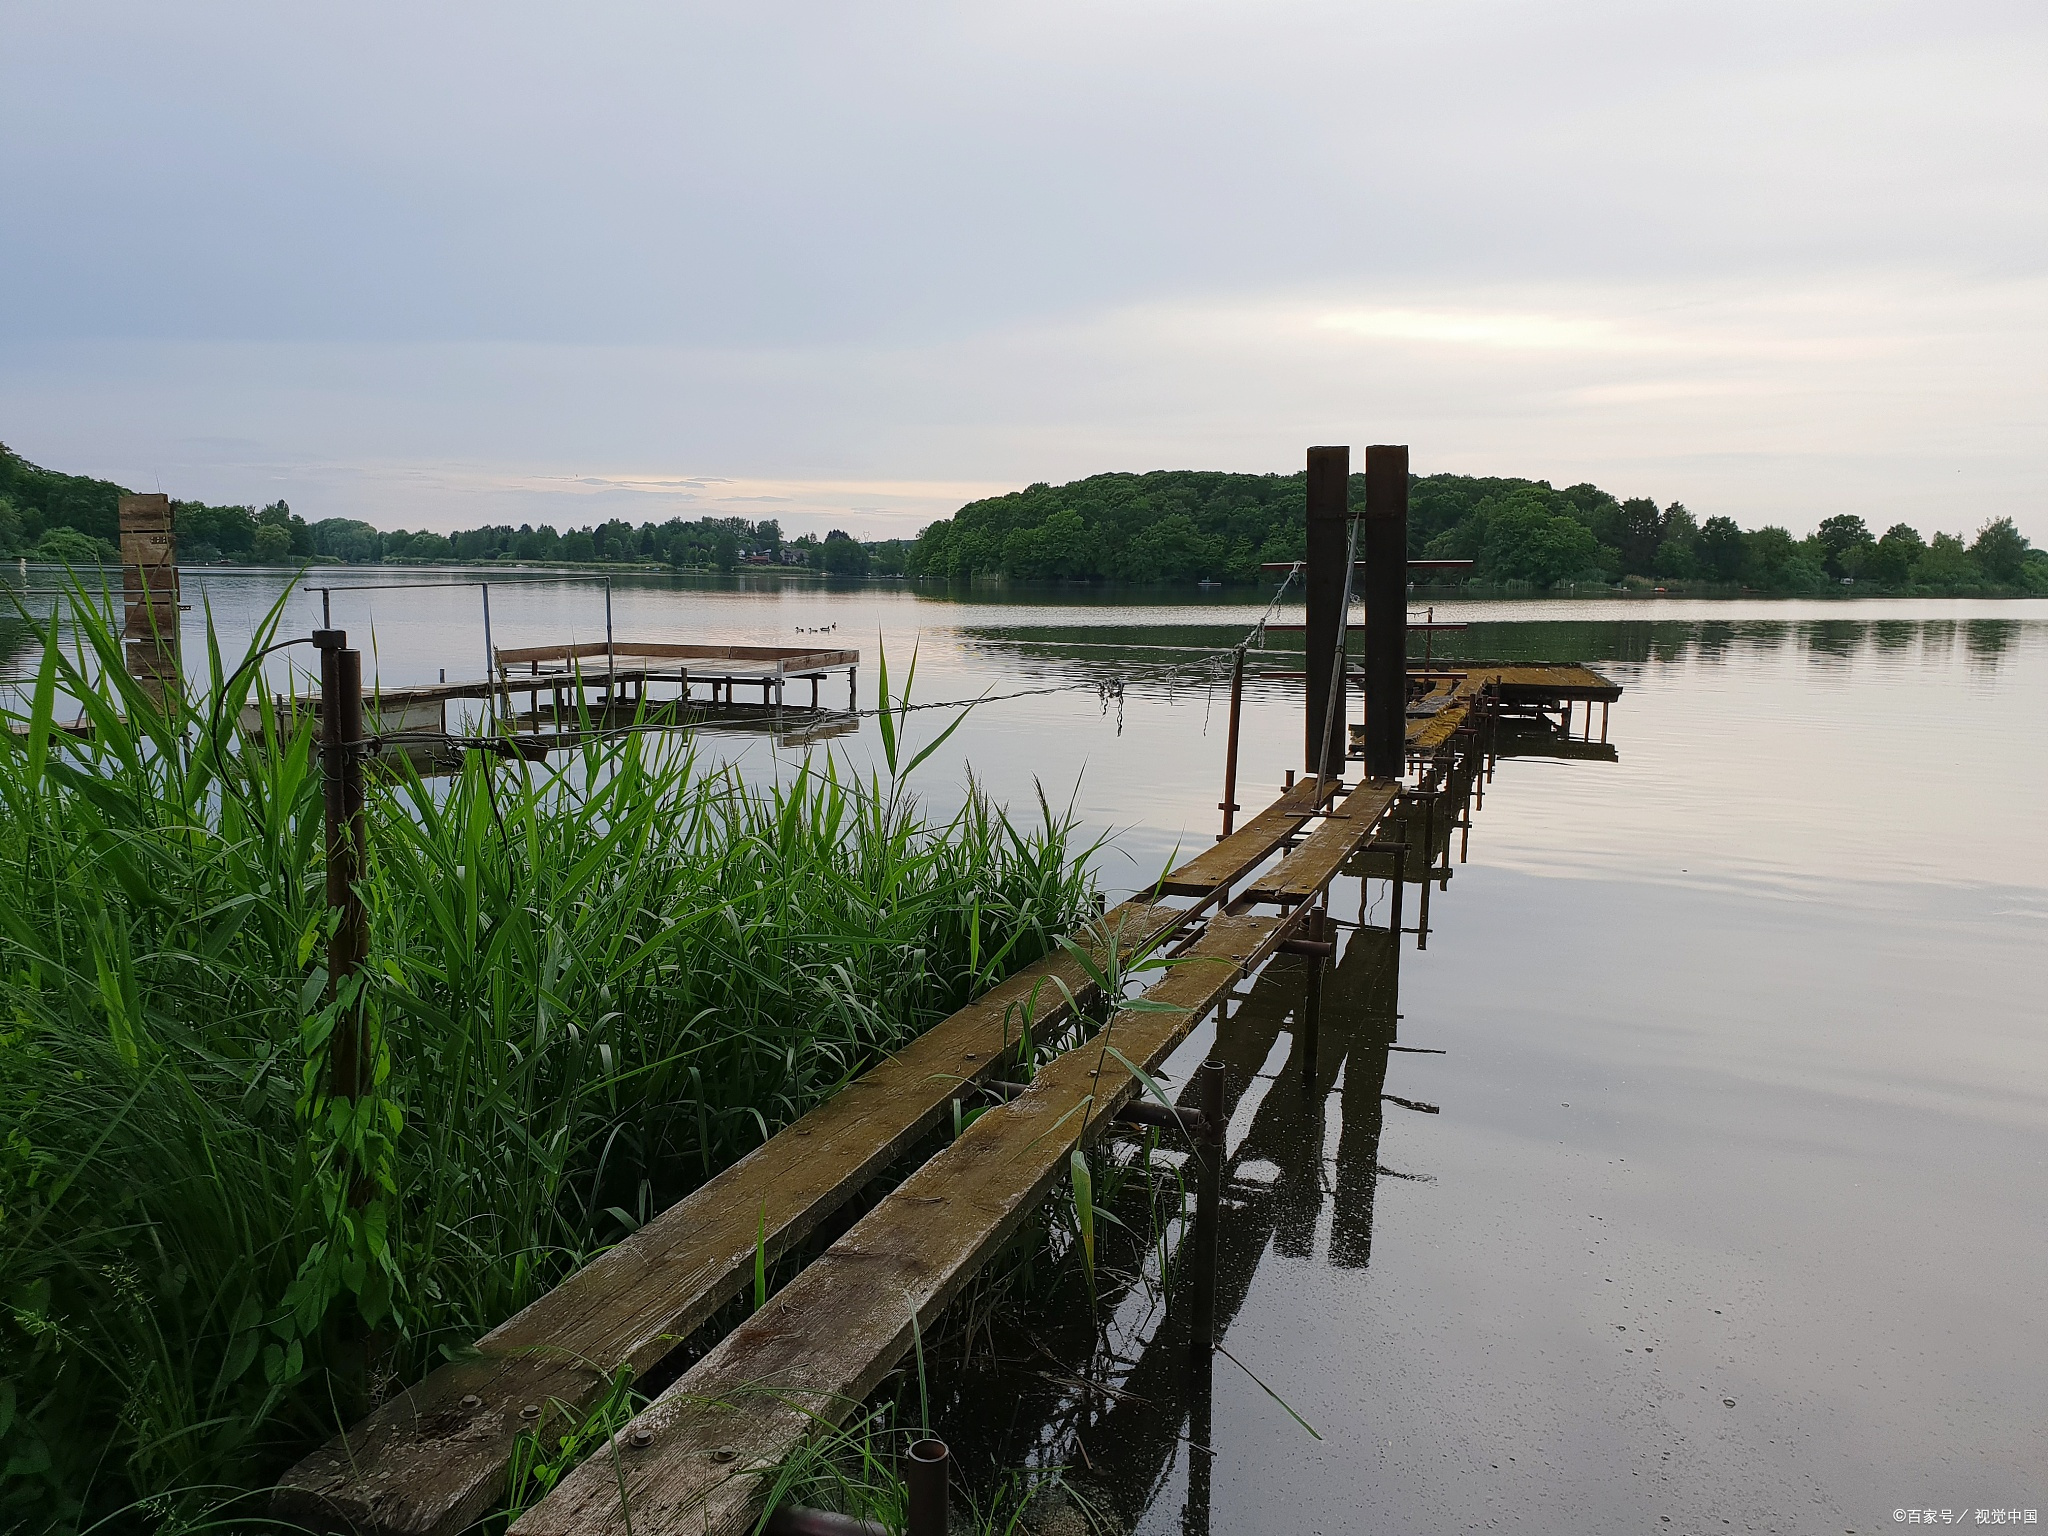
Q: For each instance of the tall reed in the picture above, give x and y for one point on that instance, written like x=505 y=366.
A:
x=591 y=984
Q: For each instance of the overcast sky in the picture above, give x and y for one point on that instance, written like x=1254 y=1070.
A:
x=437 y=264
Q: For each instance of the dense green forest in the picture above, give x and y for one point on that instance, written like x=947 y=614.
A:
x=1167 y=526
x=1190 y=525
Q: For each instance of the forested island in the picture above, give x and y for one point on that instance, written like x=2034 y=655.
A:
x=1168 y=526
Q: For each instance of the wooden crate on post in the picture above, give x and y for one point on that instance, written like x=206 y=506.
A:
x=149 y=588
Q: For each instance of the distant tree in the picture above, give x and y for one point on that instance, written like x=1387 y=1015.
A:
x=403 y=548
x=345 y=538
x=1641 y=531
x=1891 y=560
x=231 y=530
x=842 y=555
x=1947 y=564
x=1677 y=548
x=2000 y=550
x=1838 y=538
x=273 y=544
x=577 y=544
x=11 y=527
x=1720 y=548
x=68 y=546
x=1526 y=541
x=725 y=549
x=298 y=536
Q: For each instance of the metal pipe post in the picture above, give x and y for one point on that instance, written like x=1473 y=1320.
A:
x=1385 y=552
x=611 y=655
x=1326 y=580
x=1428 y=865
x=341 y=737
x=1208 y=1198
x=1229 y=806
x=1312 y=1003
x=925 y=1474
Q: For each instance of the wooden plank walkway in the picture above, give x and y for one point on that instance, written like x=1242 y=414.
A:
x=434 y=1458
x=685 y=1465
x=1245 y=849
x=1304 y=872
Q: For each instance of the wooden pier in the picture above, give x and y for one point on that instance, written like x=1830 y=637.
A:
x=435 y=1458
x=571 y=692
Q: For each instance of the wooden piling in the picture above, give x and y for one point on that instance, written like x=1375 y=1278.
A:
x=1385 y=548
x=1326 y=578
x=341 y=736
x=149 y=582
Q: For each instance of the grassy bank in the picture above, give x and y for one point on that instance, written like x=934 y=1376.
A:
x=591 y=984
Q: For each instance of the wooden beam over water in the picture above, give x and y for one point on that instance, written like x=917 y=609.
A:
x=434 y=1459
x=689 y=1464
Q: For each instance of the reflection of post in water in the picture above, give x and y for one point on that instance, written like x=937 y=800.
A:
x=1276 y=1181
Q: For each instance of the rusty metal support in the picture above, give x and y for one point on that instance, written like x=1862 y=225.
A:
x=341 y=745
x=1230 y=807
x=1385 y=545
x=1326 y=581
x=1428 y=865
x=1208 y=1199
x=1312 y=1001
x=926 y=1472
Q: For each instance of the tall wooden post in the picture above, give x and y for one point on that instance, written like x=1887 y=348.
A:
x=1329 y=510
x=341 y=762
x=149 y=585
x=1384 y=550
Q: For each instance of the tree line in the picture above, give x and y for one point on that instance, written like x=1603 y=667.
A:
x=48 y=515
x=1191 y=525
x=1166 y=526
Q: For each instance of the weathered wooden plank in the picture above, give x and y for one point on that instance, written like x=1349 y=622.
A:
x=675 y=651
x=827 y=1338
x=1246 y=848
x=1315 y=863
x=434 y=1458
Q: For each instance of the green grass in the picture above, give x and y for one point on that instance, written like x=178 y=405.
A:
x=591 y=984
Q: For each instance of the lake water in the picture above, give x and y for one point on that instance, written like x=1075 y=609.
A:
x=1733 y=1214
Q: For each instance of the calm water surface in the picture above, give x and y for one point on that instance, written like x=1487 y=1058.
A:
x=1733 y=1215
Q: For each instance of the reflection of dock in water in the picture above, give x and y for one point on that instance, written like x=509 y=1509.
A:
x=1140 y=1409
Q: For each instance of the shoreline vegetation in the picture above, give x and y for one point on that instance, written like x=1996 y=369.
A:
x=590 y=986
x=1168 y=527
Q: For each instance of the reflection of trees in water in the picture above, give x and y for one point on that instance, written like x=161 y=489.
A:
x=1989 y=639
x=1836 y=639
x=1155 y=650
x=1146 y=1420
